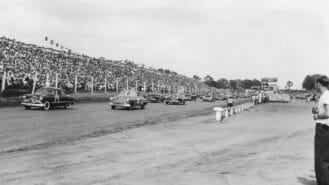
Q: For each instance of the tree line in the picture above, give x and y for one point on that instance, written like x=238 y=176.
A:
x=223 y=83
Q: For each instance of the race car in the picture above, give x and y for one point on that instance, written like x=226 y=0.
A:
x=155 y=98
x=176 y=99
x=208 y=99
x=129 y=99
x=47 y=98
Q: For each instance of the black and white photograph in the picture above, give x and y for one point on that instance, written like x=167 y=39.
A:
x=164 y=92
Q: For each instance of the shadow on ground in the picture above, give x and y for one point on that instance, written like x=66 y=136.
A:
x=307 y=181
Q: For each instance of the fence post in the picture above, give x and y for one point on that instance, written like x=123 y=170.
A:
x=3 y=85
x=117 y=85
x=136 y=86
x=92 y=85
x=56 y=81
x=152 y=87
x=127 y=84
x=76 y=84
x=105 y=84
x=47 y=80
x=34 y=82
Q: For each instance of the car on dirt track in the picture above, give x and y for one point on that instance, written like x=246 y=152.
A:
x=155 y=98
x=129 y=99
x=176 y=99
x=209 y=98
x=47 y=98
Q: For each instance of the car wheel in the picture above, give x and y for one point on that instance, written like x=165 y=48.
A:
x=142 y=106
x=27 y=107
x=47 y=105
x=65 y=106
x=112 y=107
x=132 y=105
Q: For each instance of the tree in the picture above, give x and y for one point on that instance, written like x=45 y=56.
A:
x=247 y=83
x=309 y=81
x=161 y=70
x=222 y=83
x=208 y=78
x=167 y=71
x=196 y=78
x=233 y=84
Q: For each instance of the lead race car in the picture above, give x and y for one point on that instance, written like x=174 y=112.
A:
x=129 y=99
x=47 y=98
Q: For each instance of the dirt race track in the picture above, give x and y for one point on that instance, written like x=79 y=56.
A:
x=162 y=145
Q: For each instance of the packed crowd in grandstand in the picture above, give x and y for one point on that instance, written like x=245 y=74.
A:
x=22 y=62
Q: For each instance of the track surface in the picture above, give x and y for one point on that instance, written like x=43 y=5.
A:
x=90 y=144
x=22 y=130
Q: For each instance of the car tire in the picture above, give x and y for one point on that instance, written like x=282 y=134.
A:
x=47 y=105
x=112 y=107
x=132 y=105
x=143 y=106
x=27 y=107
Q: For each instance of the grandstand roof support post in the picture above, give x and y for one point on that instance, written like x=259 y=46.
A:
x=76 y=84
x=92 y=85
x=34 y=82
x=117 y=85
x=56 y=82
x=127 y=83
x=152 y=86
x=3 y=84
x=105 y=87
x=47 y=80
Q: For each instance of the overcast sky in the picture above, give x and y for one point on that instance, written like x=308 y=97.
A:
x=234 y=39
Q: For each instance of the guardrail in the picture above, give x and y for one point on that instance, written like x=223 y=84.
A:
x=222 y=113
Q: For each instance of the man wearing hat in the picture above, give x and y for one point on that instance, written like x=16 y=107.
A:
x=321 y=142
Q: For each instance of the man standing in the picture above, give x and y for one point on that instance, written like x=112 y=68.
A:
x=321 y=141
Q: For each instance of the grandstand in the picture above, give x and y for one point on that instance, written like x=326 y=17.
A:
x=22 y=63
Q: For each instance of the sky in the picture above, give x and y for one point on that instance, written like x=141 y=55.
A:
x=233 y=39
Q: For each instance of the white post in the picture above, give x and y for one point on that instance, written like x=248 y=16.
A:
x=152 y=86
x=136 y=86
x=169 y=89
x=219 y=111
x=47 y=80
x=3 y=85
x=144 y=88
x=92 y=85
x=56 y=81
x=75 y=84
x=117 y=85
x=34 y=82
x=105 y=87
x=127 y=84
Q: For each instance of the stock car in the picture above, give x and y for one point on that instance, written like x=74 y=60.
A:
x=129 y=99
x=176 y=99
x=208 y=98
x=155 y=98
x=47 y=98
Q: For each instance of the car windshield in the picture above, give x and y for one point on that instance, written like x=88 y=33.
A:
x=43 y=91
